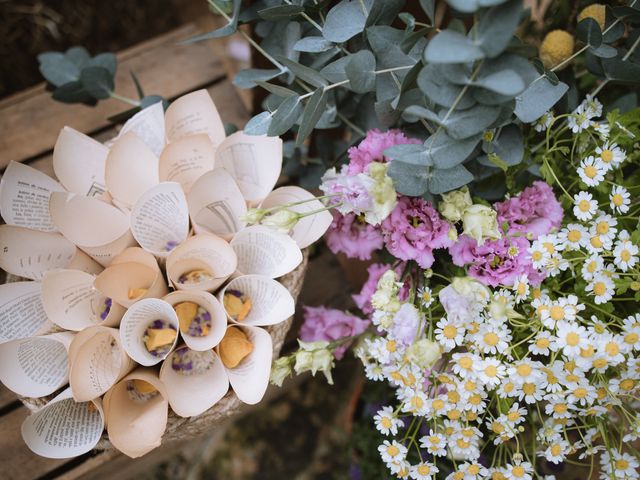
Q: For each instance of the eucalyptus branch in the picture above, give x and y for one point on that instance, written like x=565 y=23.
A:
x=130 y=101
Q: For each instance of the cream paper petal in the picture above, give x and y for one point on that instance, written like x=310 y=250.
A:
x=271 y=302
x=30 y=253
x=82 y=261
x=210 y=304
x=192 y=114
x=71 y=301
x=78 y=162
x=22 y=314
x=203 y=251
x=134 y=427
x=193 y=394
x=186 y=160
x=116 y=281
x=64 y=428
x=100 y=229
x=216 y=204
x=24 y=197
x=160 y=219
x=310 y=228
x=264 y=251
x=135 y=322
x=96 y=362
x=148 y=125
x=250 y=379
x=131 y=169
x=36 y=366
x=255 y=162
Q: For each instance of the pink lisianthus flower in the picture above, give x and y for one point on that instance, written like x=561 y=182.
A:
x=535 y=210
x=495 y=262
x=352 y=236
x=372 y=147
x=363 y=299
x=321 y=323
x=414 y=229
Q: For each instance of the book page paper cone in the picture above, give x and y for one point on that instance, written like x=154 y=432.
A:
x=24 y=197
x=148 y=125
x=30 y=253
x=100 y=229
x=64 y=428
x=72 y=302
x=136 y=423
x=186 y=160
x=82 y=261
x=216 y=204
x=131 y=169
x=195 y=381
x=264 y=251
x=96 y=362
x=78 y=162
x=192 y=114
x=210 y=304
x=250 y=378
x=201 y=252
x=22 y=314
x=126 y=283
x=160 y=218
x=255 y=162
x=271 y=302
x=308 y=229
x=36 y=366
x=140 y=317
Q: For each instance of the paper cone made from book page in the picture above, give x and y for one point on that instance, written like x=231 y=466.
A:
x=250 y=377
x=195 y=380
x=133 y=275
x=24 y=197
x=64 y=428
x=97 y=361
x=36 y=366
x=71 y=301
x=202 y=262
x=131 y=169
x=22 y=314
x=201 y=317
x=148 y=125
x=255 y=162
x=149 y=331
x=78 y=162
x=193 y=114
x=256 y=300
x=310 y=228
x=137 y=410
x=216 y=204
x=264 y=251
x=160 y=219
x=30 y=253
x=186 y=160
x=100 y=229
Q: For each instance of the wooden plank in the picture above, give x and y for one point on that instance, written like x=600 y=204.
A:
x=18 y=462
x=30 y=121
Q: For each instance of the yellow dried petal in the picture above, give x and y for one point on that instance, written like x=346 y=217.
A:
x=596 y=11
x=136 y=292
x=556 y=47
x=234 y=348
x=158 y=337
x=244 y=311
x=232 y=304
x=143 y=387
x=186 y=312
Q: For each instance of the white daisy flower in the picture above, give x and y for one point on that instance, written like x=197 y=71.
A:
x=578 y=120
x=521 y=471
x=585 y=206
x=619 y=465
x=386 y=421
x=521 y=287
x=591 y=171
x=581 y=393
x=574 y=236
x=571 y=338
x=625 y=254
x=423 y=471
x=463 y=363
x=425 y=296
x=542 y=343
x=605 y=226
x=620 y=199
x=592 y=266
x=603 y=129
x=591 y=106
x=602 y=288
x=373 y=371
x=611 y=155
x=538 y=254
x=556 y=451
x=565 y=308
x=392 y=451
x=434 y=443
x=448 y=334
x=544 y=122
x=490 y=371
x=492 y=339
x=597 y=242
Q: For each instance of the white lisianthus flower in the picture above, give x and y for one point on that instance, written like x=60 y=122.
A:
x=424 y=353
x=386 y=295
x=454 y=204
x=314 y=357
x=283 y=220
x=280 y=370
x=480 y=223
x=382 y=193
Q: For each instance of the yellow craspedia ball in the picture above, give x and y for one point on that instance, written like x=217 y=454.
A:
x=556 y=47
x=595 y=11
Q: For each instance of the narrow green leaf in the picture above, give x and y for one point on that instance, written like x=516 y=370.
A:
x=307 y=74
x=276 y=89
x=313 y=45
x=229 y=29
x=249 y=77
x=312 y=113
x=280 y=12
x=258 y=125
x=285 y=116
x=136 y=82
x=429 y=7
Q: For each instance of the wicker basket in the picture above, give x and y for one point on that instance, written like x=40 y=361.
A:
x=179 y=427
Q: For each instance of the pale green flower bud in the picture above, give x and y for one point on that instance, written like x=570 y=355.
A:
x=480 y=223
x=454 y=204
x=386 y=295
x=280 y=370
x=283 y=220
x=470 y=287
x=253 y=215
x=382 y=192
x=424 y=353
x=314 y=357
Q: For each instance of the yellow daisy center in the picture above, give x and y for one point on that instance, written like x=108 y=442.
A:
x=491 y=339
x=491 y=371
x=590 y=171
x=617 y=199
x=602 y=227
x=574 y=236
x=584 y=205
x=572 y=339
x=556 y=313
x=450 y=332
x=606 y=156
x=625 y=255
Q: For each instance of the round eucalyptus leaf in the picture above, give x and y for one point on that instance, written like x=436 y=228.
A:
x=98 y=81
